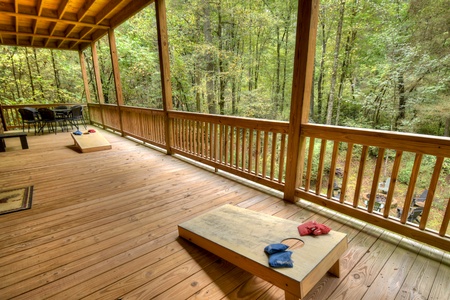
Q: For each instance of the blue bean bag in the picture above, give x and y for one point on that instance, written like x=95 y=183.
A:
x=273 y=248
x=281 y=260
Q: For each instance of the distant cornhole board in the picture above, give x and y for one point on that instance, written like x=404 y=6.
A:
x=90 y=142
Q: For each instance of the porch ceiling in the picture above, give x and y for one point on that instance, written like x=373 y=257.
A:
x=62 y=24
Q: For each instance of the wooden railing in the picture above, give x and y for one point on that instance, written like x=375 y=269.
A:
x=343 y=167
x=141 y=123
x=250 y=148
x=106 y=115
x=11 y=117
x=356 y=193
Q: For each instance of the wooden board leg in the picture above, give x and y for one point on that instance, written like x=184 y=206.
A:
x=289 y=296
x=24 y=142
x=335 y=269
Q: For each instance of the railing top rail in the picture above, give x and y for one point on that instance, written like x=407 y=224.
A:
x=257 y=124
x=40 y=105
x=418 y=143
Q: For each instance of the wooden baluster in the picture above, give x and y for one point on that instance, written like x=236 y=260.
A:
x=430 y=196
x=258 y=151
x=250 y=151
x=362 y=164
x=282 y=157
x=221 y=133
x=238 y=145
x=394 y=175
x=348 y=159
x=214 y=129
x=273 y=155
x=226 y=140
x=323 y=148
x=175 y=136
x=446 y=220
x=412 y=185
x=265 y=146
x=309 y=164
x=375 y=179
x=244 y=146
x=334 y=156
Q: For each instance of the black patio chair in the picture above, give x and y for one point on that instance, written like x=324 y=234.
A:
x=419 y=201
x=413 y=215
x=28 y=117
x=76 y=115
x=61 y=113
x=48 y=117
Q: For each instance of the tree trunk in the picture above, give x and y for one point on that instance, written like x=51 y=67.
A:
x=335 y=63
x=198 y=96
x=30 y=74
x=401 y=101
x=222 y=80
x=235 y=49
x=321 y=72
x=38 y=70
x=209 y=60
x=14 y=71
x=56 y=74
x=257 y=60
x=283 y=82
x=344 y=70
x=277 y=75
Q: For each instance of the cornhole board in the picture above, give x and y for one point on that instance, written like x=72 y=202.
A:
x=239 y=236
x=90 y=142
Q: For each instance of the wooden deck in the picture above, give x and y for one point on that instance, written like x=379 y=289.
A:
x=103 y=225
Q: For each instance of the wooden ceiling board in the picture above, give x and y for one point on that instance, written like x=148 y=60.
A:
x=62 y=24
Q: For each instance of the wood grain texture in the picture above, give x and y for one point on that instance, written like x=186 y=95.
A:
x=103 y=225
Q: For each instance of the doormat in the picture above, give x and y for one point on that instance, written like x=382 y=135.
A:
x=15 y=199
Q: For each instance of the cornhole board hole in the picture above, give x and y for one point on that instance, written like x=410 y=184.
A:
x=90 y=142
x=239 y=236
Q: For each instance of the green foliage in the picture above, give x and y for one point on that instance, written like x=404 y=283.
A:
x=235 y=58
x=38 y=76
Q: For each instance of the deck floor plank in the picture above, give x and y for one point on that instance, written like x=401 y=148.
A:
x=440 y=289
x=394 y=272
x=103 y=225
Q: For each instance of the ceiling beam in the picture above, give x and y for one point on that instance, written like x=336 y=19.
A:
x=45 y=36
x=49 y=16
x=39 y=7
x=62 y=8
x=11 y=42
x=131 y=9
x=107 y=10
x=82 y=12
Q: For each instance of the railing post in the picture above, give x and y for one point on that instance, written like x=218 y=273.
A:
x=98 y=81
x=301 y=92
x=116 y=72
x=3 y=119
x=85 y=79
x=164 y=63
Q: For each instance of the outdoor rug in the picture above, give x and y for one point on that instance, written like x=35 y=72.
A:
x=15 y=199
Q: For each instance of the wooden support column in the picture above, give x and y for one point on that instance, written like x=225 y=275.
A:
x=3 y=120
x=85 y=79
x=116 y=72
x=98 y=81
x=84 y=74
x=301 y=92
x=163 y=46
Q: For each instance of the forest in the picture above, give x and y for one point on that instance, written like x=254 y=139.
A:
x=379 y=64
